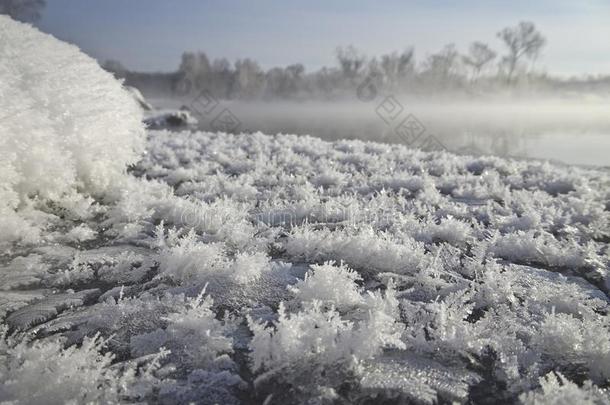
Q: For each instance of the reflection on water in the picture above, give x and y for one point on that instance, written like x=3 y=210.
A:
x=575 y=148
x=570 y=131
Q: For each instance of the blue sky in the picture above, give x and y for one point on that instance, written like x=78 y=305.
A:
x=150 y=35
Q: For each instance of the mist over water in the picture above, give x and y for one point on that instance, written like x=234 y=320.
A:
x=569 y=130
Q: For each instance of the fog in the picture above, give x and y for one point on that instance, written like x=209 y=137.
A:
x=570 y=130
x=484 y=100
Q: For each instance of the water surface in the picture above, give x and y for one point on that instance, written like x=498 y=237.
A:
x=569 y=130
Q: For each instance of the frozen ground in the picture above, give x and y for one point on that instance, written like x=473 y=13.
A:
x=281 y=269
x=340 y=271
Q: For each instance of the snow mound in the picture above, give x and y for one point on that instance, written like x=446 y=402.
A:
x=66 y=125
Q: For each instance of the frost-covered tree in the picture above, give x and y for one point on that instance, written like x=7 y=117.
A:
x=222 y=76
x=326 y=81
x=284 y=83
x=479 y=56
x=522 y=41
x=441 y=68
x=194 y=72
x=351 y=62
x=249 y=79
x=397 y=67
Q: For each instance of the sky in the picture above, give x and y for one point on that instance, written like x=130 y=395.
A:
x=151 y=35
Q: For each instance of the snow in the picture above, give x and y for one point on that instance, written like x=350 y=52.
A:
x=474 y=288
x=139 y=98
x=329 y=284
x=557 y=389
x=67 y=138
x=219 y=268
x=170 y=119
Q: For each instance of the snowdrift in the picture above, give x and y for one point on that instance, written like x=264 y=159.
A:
x=66 y=125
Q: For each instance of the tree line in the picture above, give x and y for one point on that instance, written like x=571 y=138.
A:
x=480 y=69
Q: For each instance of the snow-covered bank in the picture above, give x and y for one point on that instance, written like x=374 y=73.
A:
x=473 y=276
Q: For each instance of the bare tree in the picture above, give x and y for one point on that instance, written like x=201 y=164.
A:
x=284 y=83
x=442 y=68
x=397 y=67
x=479 y=55
x=325 y=80
x=22 y=10
x=350 y=61
x=522 y=41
